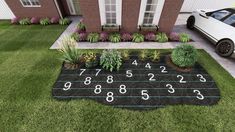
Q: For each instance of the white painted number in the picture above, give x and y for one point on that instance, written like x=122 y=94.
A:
x=122 y=89
x=97 y=72
x=97 y=89
x=109 y=97
x=199 y=95
x=151 y=77
x=134 y=63
x=202 y=79
x=163 y=68
x=171 y=89
x=82 y=71
x=87 y=81
x=181 y=79
x=148 y=66
x=129 y=73
x=67 y=86
x=144 y=94
x=109 y=79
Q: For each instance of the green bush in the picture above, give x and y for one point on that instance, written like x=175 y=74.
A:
x=184 y=56
x=111 y=60
x=154 y=55
x=69 y=52
x=93 y=37
x=115 y=37
x=64 y=21
x=81 y=26
x=45 y=21
x=161 y=37
x=137 y=38
x=143 y=54
x=25 y=21
x=125 y=54
x=184 y=38
x=90 y=60
x=75 y=36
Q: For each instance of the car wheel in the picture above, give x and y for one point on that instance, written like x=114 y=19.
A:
x=191 y=22
x=225 y=48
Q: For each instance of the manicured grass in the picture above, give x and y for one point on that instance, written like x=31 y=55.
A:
x=29 y=69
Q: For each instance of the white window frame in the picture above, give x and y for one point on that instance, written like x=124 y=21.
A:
x=157 y=14
x=31 y=4
x=118 y=12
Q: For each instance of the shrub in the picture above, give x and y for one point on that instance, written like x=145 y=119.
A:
x=25 y=21
x=82 y=36
x=184 y=55
x=34 y=20
x=64 y=21
x=111 y=60
x=137 y=38
x=184 y=38
x=161 y=37
x=69 y=52
x=104 y=36
x=90 y=60
x=81 y=26
x=154 y=55
x=93 y=37
x=75 y=36
x=45 y=21
x=150 y=36
x=125 y=54
x=115 y=37
x=54 y=20
x=143 y=54
x=174 y=36
x=126 y=37
x=15 y=20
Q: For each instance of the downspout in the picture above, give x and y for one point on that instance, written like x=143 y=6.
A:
x=58 y=8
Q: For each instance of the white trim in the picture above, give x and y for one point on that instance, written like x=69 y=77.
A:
x=119 y=12
x=158 y=12
x=102 y=12
x=58 y=8
x=142 y=10
x=71 y=7
x=31 y=5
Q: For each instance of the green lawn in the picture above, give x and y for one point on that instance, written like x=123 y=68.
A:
x=28 y=70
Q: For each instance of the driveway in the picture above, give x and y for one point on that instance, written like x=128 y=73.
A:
x=203 y=43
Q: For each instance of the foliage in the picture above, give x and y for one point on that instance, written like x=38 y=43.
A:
x=104 y=36
x=125 y=54
x=34 y=20
x=150 y=36
x=126 y=37
x=64 y=21
x=25 y=21
x=154 y=55
x=55 y=20
x=115 y=37
x=111 y=60
x=90 y=59
x=75 y=36
x=82 y=36
x=184 y=37
x=69 y=52
x=174 y=36
x=45 y=21
x=81 y=26
x=161 y=37
x=93 y=37
x=15 y=20
x=184 y=55
x=137 y=38
x=143 y=54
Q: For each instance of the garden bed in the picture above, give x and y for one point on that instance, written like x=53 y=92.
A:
x=138 y=85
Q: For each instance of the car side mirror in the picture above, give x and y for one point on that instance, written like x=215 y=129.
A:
x=208 y=14
x=204 y=15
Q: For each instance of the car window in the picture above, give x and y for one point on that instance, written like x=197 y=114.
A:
x=220 y=14
x=230 y=20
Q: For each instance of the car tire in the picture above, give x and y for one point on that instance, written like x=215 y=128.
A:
x=191 y=22
x=225 y=48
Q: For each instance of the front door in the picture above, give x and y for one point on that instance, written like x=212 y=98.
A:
x=73 y=7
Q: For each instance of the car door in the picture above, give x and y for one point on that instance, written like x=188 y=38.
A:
x=229 y=27
x=213 y=25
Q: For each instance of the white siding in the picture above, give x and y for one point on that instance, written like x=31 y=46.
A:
x=5 y=11
x=191 y=5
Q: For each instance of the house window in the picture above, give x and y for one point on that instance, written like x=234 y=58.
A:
x=30 y=3
x=150 y=12
x=110 y=12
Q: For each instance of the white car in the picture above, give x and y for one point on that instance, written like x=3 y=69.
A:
x=218 y=26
